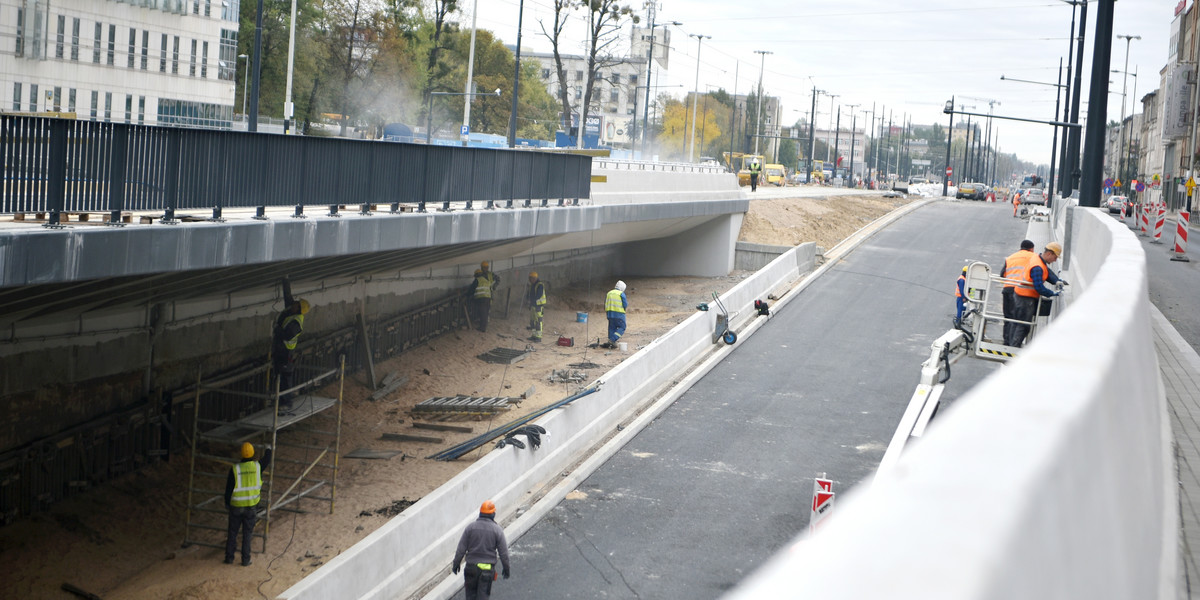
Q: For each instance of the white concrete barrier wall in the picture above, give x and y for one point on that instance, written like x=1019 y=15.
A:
x=636 y=182
x=1054 y=478
x=399 y=558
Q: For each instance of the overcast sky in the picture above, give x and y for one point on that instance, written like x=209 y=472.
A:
x=908 y=55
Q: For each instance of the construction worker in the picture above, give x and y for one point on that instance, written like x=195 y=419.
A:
x=480 y=291
x=960 y=297
x=481 y=543
x=1036 y=273
x=242 y=489
x=755 y=169
x=1016 y=203
x=615 y=305
x=1015 y=268
x=537 y=303
x=286 y=334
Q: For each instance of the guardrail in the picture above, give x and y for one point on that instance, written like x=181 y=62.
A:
x=62 y=165
x=667 y=167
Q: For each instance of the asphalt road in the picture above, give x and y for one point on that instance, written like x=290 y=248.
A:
x=723 y=478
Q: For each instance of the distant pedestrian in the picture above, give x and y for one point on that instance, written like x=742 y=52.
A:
x=615 y=305
x=537 y=303
x=482 y=287
x=242 y=495
x=1016 y=203
x=1036 y=275
x=755 y=169
x=481 y=544
x=284 y=338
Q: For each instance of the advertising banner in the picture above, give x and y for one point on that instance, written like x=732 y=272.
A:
x=1176 y=107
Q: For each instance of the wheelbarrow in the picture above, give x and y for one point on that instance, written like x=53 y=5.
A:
x=722 y=332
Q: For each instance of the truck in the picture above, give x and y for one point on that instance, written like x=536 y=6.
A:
x=739 y=163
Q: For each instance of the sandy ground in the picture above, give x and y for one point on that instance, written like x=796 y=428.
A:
x=123 y=541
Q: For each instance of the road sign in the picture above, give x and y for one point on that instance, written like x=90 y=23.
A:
x=949 y=171
x=1107 y=190
x=1119 y=184
x=1108 y=182
x=1141 y=187
x=822 y=502
x=465 y=130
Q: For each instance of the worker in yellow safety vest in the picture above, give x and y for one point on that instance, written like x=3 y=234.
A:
x=537 y=304
x=755 y=169
x=242 y=495
x=284 y=338
x=615 y=305
x=480 y=293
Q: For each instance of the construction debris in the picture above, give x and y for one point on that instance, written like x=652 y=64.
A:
x=390 y=384
x=441 y=427
x=404 y=437
x=567 y=376
x=463 y=405
x=505 y=356
x=390 y=510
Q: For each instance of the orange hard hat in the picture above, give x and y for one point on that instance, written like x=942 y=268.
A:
x=487 y=508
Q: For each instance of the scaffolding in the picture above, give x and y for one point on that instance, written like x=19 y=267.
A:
x=305 y=439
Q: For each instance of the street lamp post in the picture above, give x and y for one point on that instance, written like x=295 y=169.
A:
x=853 y=124
x=289 y=108
x=649 y=64
x=949 y=137
x=758 y=118
x=695 y=95
x=1124 y=85
x=512 y=117
x=832 y=107
x=245 y=82
x=464 y=133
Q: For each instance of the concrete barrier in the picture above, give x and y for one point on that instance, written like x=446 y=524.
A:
x=1054 y=478
x=636 y=182
x=415 y=547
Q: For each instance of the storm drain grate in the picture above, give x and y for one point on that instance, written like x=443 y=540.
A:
x=504 y=356
x=465 y=404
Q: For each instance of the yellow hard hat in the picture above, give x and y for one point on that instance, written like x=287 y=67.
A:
x=304 y=307
x=965 y=269
x=484 y=265
x=533 y=275
x=478 y=272
x=1056 y=248
x=247 y=450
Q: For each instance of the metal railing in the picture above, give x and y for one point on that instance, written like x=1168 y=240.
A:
x=62 y=165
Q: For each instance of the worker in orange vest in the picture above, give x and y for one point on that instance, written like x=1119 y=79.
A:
x=1036 y=273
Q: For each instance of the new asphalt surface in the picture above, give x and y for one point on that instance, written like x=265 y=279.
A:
x=723 y=478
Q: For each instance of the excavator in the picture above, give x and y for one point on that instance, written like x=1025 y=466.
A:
x=739 y=163
x=975 y=335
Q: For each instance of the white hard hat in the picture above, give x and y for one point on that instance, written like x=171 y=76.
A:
x=621 y=285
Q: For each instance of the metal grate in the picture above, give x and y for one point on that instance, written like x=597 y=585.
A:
x=464 y=405
x=504 y=356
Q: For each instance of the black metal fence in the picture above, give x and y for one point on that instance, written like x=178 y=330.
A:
x=62 y=165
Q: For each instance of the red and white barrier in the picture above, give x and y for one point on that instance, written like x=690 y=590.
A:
x=1181 y=231
x=1144 y=217
x=1160 y=219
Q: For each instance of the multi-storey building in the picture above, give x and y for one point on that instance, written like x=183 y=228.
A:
x=168 y=62
x=617 y=93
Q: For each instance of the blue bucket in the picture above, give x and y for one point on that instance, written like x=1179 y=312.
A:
x=581 y=317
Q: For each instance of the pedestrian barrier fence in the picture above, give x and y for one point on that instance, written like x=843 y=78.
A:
x=62 y=165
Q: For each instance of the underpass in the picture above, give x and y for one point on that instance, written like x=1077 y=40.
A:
x=721 y=480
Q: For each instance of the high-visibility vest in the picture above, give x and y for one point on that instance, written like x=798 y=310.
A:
x=483 y=285
x=755 y=168
x=1034 y=260
x=957 y=290
x=247 y=481
x=291 y=344
x=612 y=302
x=539 y=293
x=1016 y=266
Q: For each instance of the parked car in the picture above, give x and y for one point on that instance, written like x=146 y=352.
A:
x=1116 y=204
x=967 y=191
x=1033 y=196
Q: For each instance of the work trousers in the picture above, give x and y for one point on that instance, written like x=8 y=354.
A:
x=478 y=582
x=241 y=519
x=1023 y=310
x=753 y=181
x=483 y=308
x=616 y=327
x=1008 y=295
x=535 y=320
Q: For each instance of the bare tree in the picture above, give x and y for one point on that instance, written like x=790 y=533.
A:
x=604 y=26
x=561 y=9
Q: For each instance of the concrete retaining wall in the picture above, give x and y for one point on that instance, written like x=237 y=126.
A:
x=635 y=182
x=752 y=257
x=399 y=558
x=1054 y=478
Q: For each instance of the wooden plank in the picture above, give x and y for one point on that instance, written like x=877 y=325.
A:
x=402 y=437
x=366 y=341
x=440 y=427
x=389 y=388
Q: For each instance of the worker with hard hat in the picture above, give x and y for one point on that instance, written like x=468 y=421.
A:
x=1035 y=275
x=483 y=285
x=755 y=169
x=242 y=495
x=537 y=304
x=960 y=297
x=284 y=338
x=615 y=305
x=481 y=544
x=1015 y=268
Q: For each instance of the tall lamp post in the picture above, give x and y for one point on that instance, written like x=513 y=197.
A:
x=649 y=65
x=853 y=121
x=758 y=118
x=696 y=94
x=512 y=117
x=245 y=82
x=1124 y=85
x=949 y=137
